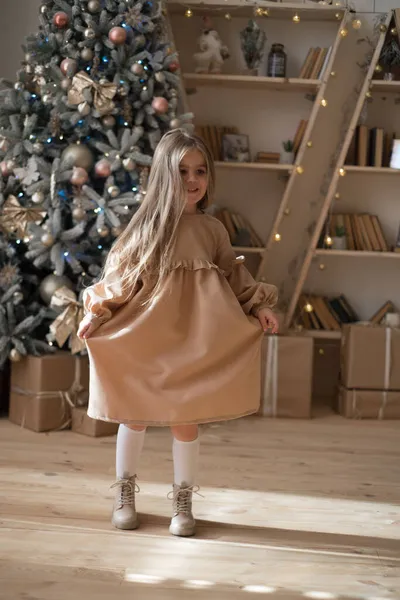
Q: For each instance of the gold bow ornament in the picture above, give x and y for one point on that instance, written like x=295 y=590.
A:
x=66 y=324
x=15 y=217
x=103 y=93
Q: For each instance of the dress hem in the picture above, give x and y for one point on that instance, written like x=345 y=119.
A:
x=173 y=423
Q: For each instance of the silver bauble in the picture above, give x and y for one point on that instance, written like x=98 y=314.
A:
x=113 y=191
x=44 y=9
x=79 y=214
x=14 y=355
x=47 y=99
x=18 y=297
x=137 y=69
x=37 y=197
x=18 y=86
x=129 y=164
x=84 y=109
x=160 y=77
x=108 y=121
x=94 y=6
x=38 y=148
x=29 y=69
x=87 y=54
x=103 y=231
x=66 y=84
x=39 y=70
x=78 y=155
x=89 y=33
x=51 y=284
x=47 y=240
x=175 y=123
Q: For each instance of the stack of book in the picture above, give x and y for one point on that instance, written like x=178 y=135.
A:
x=329 y=314
x=212 y=137
x=371 y=147
x=315 y=63
x=268 y=157
x=362 y=232
x=241 y=233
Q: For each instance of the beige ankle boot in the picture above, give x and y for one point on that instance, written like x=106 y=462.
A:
x=182 y=523
x=124 y=513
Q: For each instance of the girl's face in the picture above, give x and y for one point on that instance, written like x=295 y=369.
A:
x=195 y=178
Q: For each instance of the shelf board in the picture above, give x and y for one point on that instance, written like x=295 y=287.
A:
x=253 y=166
x=237 y=9
x=357 y=253
x=371 y=170
x=317 y=333
x=252 y=82
x=248 y=249
x=390 y=87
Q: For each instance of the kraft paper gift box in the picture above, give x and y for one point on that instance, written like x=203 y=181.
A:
x=370 y=357
x=369 y=404
x=85 y=425
x=326 y=370
x=44 y=389
x=286 y=376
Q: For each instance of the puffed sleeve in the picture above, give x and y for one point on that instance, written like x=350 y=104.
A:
x=252 y=295
x=104 y=297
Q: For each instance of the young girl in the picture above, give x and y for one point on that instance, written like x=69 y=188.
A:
x=170 y=330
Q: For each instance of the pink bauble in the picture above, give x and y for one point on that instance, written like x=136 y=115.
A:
x=137 y=69
x=68 y=64
x=60 y=19
x=174 y=66
x=79 y=176
x=103 y=168
x=4 y=169
x=117 y=36
x=160 y=105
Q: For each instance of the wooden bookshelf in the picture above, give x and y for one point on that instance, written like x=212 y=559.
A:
x=253 y=166
x=252 y=82
x=388 y=87
x=371 y=170
x=248 y=249
x=356 y=253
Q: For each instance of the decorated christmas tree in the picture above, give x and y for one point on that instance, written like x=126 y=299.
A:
x=98 y=88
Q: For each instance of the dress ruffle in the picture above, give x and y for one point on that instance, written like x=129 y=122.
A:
x=195 y=264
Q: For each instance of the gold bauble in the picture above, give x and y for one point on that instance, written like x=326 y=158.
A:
x=116 y=231
x=383 y=28
x=78 y=155
x=108 y=121
x=47 y=240
x=129 y=164
x=14 y=355
x=79 y=213
x=344 y=32
x=103 y=231
x=113 y=191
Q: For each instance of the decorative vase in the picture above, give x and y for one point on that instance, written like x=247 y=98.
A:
x=286 y=158
x=339 y=243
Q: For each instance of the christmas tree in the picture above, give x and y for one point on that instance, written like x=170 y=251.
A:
x=98 y=88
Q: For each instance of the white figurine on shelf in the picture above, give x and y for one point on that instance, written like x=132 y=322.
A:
x=212 y=52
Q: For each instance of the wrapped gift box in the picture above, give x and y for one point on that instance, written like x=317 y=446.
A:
x=326 y=371
x=43 y=390
x=85 y=425
x=370 y=357
x=286 y=376
x=369 y=404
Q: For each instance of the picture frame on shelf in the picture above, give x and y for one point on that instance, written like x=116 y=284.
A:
x=235 y=148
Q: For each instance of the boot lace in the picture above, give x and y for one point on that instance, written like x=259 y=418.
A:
x=182 y=498
x=128 y=488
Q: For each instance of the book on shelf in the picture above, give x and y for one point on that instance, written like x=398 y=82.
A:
x=372 y=147
x=240 y=230
x=299 y=135
x=315 y=63
x=327 y=314
x=268 y=157
x=362 y=231
x=397 y=244
x=380 y=314
x=212 y=137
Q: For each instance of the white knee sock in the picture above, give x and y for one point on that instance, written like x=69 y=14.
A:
x=185 y=455
x=129 y=449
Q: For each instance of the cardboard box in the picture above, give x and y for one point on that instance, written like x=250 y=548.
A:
x=286 y=376
x=370 y=357
x=85 y=425
x=326 y=371
x=41 y=390
x=369 y=404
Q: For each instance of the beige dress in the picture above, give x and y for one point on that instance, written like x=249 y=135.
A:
x=193 y=355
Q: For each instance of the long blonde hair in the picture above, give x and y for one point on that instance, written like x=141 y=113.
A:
x=146 y=245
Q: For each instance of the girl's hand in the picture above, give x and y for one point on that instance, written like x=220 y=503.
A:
x=87 y=327
x=268 y=320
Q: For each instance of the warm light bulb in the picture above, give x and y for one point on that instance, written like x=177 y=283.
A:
x=378 y=68
x=296 y=18
x=308 y=307
x=393 y=31
x=338 y=15
x=189 y=13
x=300 y=170
x=228 y=17
x=328 y=240
x=277 y=237
x=356 y=23
x=333 y=73
x=342 y=172
x=287 y=211
x=321 y=351
x=344 y=32
x=321 y=267
x=258 y=11
x=337 y=196
x=324 y=102
x=309 y=144
x=368 y=94
x=383 y=28
x=265 y=12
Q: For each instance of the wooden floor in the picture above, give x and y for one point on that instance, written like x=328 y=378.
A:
x=291 y=510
